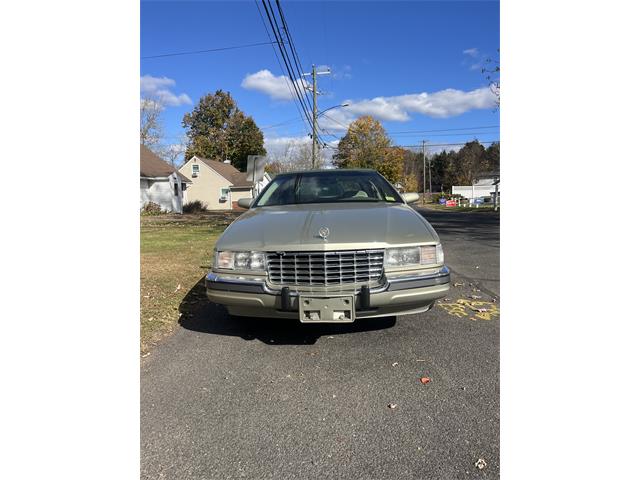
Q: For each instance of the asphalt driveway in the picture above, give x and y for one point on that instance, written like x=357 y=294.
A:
x=256 y=398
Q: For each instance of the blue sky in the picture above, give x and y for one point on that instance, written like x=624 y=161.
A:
x=413 y=65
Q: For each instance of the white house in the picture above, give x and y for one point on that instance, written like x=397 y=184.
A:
x=485 y=186
x=160 y=183
x=219 y=185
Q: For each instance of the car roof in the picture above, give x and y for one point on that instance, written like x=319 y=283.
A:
x=332 y=170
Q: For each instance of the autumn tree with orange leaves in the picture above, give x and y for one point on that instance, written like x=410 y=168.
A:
x=366 y=145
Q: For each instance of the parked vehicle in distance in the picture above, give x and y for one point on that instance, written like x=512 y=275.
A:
x=328 y=246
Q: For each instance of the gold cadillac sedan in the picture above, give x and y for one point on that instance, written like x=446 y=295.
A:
x=328 y=247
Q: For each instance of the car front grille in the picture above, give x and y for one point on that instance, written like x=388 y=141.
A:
x=325 y=268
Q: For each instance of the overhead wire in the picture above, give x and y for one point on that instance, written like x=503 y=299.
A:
x=292 y=46
x=208 y=50
x=286 y=60
x=303 y=113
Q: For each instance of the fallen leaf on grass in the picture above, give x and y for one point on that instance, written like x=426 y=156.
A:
x=146 y=354
x=424 y=380
x=458 y=284
x=475 y=297
x=394 y=364
x=177 y=288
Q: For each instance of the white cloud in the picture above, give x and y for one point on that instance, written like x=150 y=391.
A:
x=472 y=52
x=442 y=104
x=278 y=88
x=437 y=149
x=382 y=108
x=275 y=143
x=447 y=103
x=158 y=89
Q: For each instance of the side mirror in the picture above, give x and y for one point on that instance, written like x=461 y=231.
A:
x=410 y=197
x=245 y=202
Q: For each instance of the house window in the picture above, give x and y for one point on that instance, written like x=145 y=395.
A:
x=175 y=189
x=195 y=170
x=224 y=193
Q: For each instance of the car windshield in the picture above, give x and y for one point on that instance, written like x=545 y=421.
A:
x=327 y=187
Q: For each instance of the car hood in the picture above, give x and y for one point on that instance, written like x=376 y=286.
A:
x=297 y=227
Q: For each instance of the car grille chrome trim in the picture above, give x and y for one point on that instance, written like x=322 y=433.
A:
x=340 y=267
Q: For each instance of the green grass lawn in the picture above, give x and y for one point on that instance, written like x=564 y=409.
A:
x=175 y=253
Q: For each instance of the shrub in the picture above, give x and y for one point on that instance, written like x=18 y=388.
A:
x=194 y=207
x=435 y=197
x=151 y=208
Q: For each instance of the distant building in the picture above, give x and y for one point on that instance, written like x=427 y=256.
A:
x=160 y=182
x=484 y=186
x=218 y=184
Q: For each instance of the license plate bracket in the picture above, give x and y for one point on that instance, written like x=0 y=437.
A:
x=327 y=309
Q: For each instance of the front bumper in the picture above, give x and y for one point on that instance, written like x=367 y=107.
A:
x=398 y=295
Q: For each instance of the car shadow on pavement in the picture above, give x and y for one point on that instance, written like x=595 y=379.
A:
x=197 y=313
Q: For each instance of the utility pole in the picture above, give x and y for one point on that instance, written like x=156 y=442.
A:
x=430 y=189
x=314 y=133
x=315 y=118
x=424 y=173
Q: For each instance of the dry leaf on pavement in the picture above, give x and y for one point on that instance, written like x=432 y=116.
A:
x=481 y=463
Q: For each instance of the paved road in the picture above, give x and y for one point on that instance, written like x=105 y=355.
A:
x=248 y=398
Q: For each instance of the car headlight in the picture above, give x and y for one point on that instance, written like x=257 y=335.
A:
x=409 y=256
x=240 y=260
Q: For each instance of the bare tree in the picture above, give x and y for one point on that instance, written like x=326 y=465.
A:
x=302 y=157
x=491 y=71
x=151 y=131
x=174 y=154
x=294 y=156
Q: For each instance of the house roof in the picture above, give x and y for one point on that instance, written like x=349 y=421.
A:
x=228 y=171
x=151 y=165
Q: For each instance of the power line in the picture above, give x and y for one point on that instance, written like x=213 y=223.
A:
x=339 y=123
x=280 y=63
x=194 y=52
x=445 y=134
x=285 y=122
x=327 y=132
x=302 y=94
x=286 y=59
x=490 y=142
x=292 y=46
x=447 y=144
x=444 y=129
